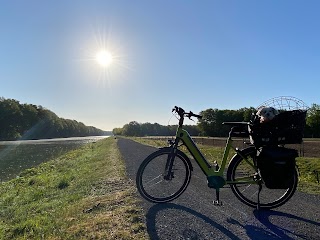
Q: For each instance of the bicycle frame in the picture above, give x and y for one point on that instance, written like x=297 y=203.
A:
x=205 y=166
x=160 y=184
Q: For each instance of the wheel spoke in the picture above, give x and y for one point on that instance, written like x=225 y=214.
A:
x=152 y=182
x=247 y=192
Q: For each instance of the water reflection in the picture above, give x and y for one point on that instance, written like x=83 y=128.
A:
x=16 y=156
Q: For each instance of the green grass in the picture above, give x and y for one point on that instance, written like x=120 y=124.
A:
x=85 y=194
x=308 y=180
x=308 y=167
x=81 y=195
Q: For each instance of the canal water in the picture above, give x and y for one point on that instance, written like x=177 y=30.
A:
x=15 y=156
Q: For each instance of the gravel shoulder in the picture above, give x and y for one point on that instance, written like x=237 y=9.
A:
x=193 y=216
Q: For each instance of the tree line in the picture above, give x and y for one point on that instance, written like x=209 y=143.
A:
x=28 y=121
x=151 y=129
x=211 y=124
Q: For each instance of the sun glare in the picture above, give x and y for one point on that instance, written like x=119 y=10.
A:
x=104 y=58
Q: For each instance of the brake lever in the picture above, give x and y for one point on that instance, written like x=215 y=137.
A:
x=190 y=114
x=174 y=109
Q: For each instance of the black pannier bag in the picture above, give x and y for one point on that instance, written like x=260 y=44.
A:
x=285 y=128
x=277 y=166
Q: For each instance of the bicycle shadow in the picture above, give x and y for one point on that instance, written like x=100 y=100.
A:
x=271 y=231
x=275 y=232
x=187 y=233
x=197 y=233
x=282 y=233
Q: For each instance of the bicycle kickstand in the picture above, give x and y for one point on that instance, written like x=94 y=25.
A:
x=258 y=203
x=217 y=202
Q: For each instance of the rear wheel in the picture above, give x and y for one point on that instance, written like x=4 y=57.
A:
x=247 y=193
x=153 y=181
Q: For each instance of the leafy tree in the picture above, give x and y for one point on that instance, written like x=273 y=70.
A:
x=207 y=124
x=313 y=121
x=211 y=124
x=212 y=119
x=9 y=119
x=149 y=129
x=27 y=121
x=117 y=131
x=247 y=113
x=132 y=129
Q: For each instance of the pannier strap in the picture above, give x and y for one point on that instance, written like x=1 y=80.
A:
x=278 y=152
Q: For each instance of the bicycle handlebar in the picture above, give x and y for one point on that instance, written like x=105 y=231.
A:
x=183 y=114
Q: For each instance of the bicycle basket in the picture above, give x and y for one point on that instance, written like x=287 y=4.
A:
x=285 y=103
x=285 y=128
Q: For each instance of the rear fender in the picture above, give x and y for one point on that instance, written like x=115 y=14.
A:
x=243 y=152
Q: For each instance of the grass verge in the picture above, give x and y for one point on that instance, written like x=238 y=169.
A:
x=83 y=194
x=309 y=168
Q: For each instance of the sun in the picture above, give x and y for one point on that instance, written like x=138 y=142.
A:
x=104 y=58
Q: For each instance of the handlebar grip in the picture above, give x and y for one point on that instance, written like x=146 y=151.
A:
x=195 y=115
x=198 y=116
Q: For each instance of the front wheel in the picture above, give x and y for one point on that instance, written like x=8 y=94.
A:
x=245 y=183
x=155 y=183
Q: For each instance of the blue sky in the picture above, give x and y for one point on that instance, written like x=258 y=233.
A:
x=194 y=54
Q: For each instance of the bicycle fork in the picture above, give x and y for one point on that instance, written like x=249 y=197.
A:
x=168 y=173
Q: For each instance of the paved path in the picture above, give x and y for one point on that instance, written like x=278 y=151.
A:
x=193 y=216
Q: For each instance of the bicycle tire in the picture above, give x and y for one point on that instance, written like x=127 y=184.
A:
x=248 y=193
x=150 y=178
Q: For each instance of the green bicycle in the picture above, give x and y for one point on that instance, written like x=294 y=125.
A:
x=165 y=174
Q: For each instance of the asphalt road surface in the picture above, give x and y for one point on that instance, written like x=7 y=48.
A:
x=193 y=215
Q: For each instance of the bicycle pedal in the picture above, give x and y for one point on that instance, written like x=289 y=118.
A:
x=217 y=203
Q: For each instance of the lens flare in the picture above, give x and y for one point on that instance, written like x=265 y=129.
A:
x=104 y=58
